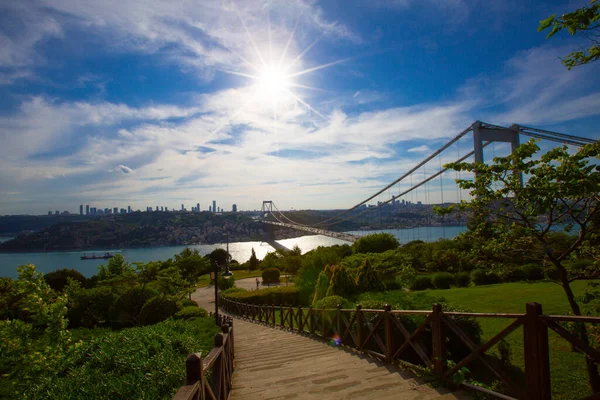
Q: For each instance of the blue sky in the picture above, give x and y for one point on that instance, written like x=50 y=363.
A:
x=309 y=104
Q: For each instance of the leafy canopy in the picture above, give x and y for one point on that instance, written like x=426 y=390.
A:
x=586 y=21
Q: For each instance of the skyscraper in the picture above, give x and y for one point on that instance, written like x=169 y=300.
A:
x=128 y=209
x=197 y=207
x=81 y=209
x=87 y=209
x=182 y=207
x=214 y=206
x=115 y=210
x=234 y=208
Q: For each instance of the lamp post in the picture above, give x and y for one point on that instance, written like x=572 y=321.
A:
x=226 y=274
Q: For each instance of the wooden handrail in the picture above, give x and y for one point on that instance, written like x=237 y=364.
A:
x=219 y=362
x=382 y=334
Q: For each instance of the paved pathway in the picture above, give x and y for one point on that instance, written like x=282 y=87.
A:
x=272 y=363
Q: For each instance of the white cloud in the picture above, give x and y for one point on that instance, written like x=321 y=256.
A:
x=421 y=149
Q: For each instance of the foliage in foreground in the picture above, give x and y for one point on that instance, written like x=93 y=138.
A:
x=145 y=362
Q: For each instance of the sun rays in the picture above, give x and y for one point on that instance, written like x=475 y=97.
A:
x=273 y=77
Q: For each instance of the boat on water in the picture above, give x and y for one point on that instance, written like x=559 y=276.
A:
x=95 y=257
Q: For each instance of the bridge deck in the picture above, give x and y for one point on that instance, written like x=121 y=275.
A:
x=277 y=364
x=316 y=231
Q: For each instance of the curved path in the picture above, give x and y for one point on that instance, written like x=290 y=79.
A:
x=277 y=364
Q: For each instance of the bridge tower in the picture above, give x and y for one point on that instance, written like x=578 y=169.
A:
x=486 y=133
x=267 y=207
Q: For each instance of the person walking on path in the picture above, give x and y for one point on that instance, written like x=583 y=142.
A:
x=257 y=283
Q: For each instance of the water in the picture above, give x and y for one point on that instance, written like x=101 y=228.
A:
x=240 y=251
x=4 y=239
x=424 y=233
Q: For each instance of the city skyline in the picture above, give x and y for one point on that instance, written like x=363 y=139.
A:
x=307 y=103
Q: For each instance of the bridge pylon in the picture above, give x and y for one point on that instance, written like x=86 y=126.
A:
x=491 y=133
x=267 y=207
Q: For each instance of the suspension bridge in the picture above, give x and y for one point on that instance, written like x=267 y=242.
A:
x=427 y=183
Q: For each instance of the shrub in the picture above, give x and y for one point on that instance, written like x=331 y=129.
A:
x=442 y=280
x=271 y=275
x=514 y=274
x=225 y=284
x=479 y=277
x=126 y=310
x=421 y=283
x=191 y=312
x=91 y=307
x=57 y=280
x=141 y=362
x=187 y=303
x=462 y=279
x=158 y=309
x=322 y=283
x=584 y=268
x=533 y=272
x=332 y=302
x=340 y=283
x=375 y=243
x=281 y=295
x=368 y=279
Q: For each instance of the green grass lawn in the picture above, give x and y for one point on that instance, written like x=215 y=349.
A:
x=204 y=280
x=568 y=373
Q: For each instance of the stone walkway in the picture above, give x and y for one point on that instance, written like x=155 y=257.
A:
x=273 y=363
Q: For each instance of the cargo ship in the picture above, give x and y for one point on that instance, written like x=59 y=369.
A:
x=95 y=257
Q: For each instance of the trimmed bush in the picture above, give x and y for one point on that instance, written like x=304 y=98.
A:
x=332 y=302
x=442 y=280
x=280 y=295
x=422 y=283
x=232 y=290
x=158 y=309
x=462 y=279
x=57 y=280
x=533 y=272
x=271 y=275
x=479 y=277
x=225 y=284
x=191 y=312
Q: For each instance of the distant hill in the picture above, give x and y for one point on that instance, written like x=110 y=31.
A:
x=138 y=230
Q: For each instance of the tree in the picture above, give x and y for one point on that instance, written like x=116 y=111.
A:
x=220 y=256
x=340 y=283
x=253 y=263
x=368 y=279
x=562 y=192
x=191 y=265
x=586 y=21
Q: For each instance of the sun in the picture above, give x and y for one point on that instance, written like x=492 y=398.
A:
x=273 y=83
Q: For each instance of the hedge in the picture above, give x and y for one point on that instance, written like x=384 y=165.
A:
x=281 y=295
x=442 y=280
x=422 y=283
x=270 y=275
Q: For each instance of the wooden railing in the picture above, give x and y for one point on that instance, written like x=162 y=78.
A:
x=385 y=335
x=218 y=364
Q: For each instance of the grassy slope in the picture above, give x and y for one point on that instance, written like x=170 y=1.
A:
x=569 y=378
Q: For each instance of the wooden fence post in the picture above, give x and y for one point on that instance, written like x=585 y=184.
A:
x=300 y=319
x=438 y=341
x=218 y=370
x=537 y=360
x=194 y=373
x=389 y=343
x=359 y=327
x=281 y=322
x=339 y=320
x=273 y=313
x=291 y=316
x=311 y=320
